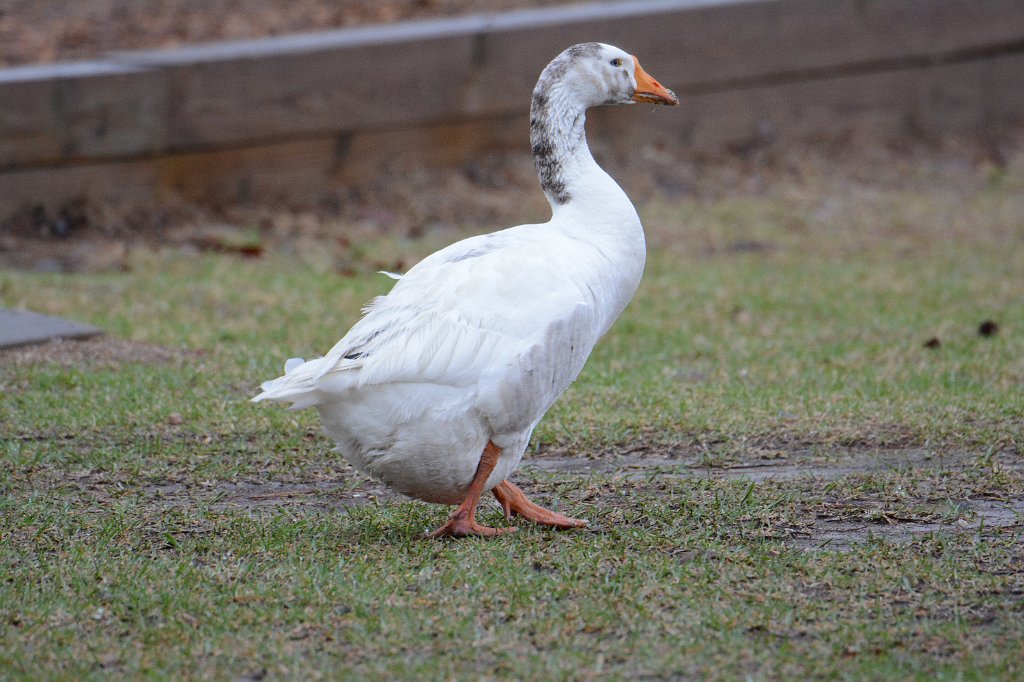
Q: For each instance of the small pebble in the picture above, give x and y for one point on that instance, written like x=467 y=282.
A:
x=175 y=418
x=988 y=328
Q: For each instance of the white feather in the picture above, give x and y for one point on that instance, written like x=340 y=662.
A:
x=477 y=341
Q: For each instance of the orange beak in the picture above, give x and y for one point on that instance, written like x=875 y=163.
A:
x=650 y=90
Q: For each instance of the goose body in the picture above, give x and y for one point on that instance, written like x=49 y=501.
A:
x=475 y=343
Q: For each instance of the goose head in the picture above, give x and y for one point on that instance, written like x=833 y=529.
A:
x=583 y=76
x=595 y=74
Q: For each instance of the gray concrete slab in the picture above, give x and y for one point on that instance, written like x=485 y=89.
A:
x=21 y=328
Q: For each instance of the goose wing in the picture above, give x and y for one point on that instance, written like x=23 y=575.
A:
x=503 y=311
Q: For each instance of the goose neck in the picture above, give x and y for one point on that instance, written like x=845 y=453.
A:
x=558 y=139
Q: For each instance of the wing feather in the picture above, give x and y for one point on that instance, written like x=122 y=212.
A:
x=468 y=314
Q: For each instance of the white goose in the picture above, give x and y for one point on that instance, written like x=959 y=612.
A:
x=436 y=390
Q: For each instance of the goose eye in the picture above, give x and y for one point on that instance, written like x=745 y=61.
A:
x=616 y=62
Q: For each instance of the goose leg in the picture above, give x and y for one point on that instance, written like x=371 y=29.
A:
x=514 y=501
x=462 y=522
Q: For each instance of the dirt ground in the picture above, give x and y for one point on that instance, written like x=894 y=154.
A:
x=102 y=352
x=831 y=520
x=495 y=193
x=42 y=31
x=499 y=189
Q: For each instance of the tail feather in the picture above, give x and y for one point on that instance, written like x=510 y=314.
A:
x=298 y=385
x=291 y=364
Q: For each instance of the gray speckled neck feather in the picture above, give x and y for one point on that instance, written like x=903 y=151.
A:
x=556 y=123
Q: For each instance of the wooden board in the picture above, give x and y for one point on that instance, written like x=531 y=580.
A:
x=227 y=118
x=145 y=103
x=966 y=97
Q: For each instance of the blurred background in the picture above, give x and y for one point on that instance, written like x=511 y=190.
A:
x=799 y=447
x=234 y=126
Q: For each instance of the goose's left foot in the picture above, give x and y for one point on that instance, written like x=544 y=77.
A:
x=514 y=501
x=462 y=523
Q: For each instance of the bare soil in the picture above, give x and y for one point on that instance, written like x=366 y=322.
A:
x=836 y=522
x=95 y=353
x=41 y=31
x=840 y=505
x=494 y=191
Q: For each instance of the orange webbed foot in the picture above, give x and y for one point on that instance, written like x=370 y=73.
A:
x=461 y=525
x=514 y=501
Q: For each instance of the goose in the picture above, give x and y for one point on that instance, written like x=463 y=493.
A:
x=437 y=389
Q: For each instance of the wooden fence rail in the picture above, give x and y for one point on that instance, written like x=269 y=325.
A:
x=300 y=113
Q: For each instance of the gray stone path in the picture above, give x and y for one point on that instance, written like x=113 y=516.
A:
x=21 y=327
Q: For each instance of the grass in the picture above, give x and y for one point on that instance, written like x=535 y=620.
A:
x=681 y=579
x=155 y=524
